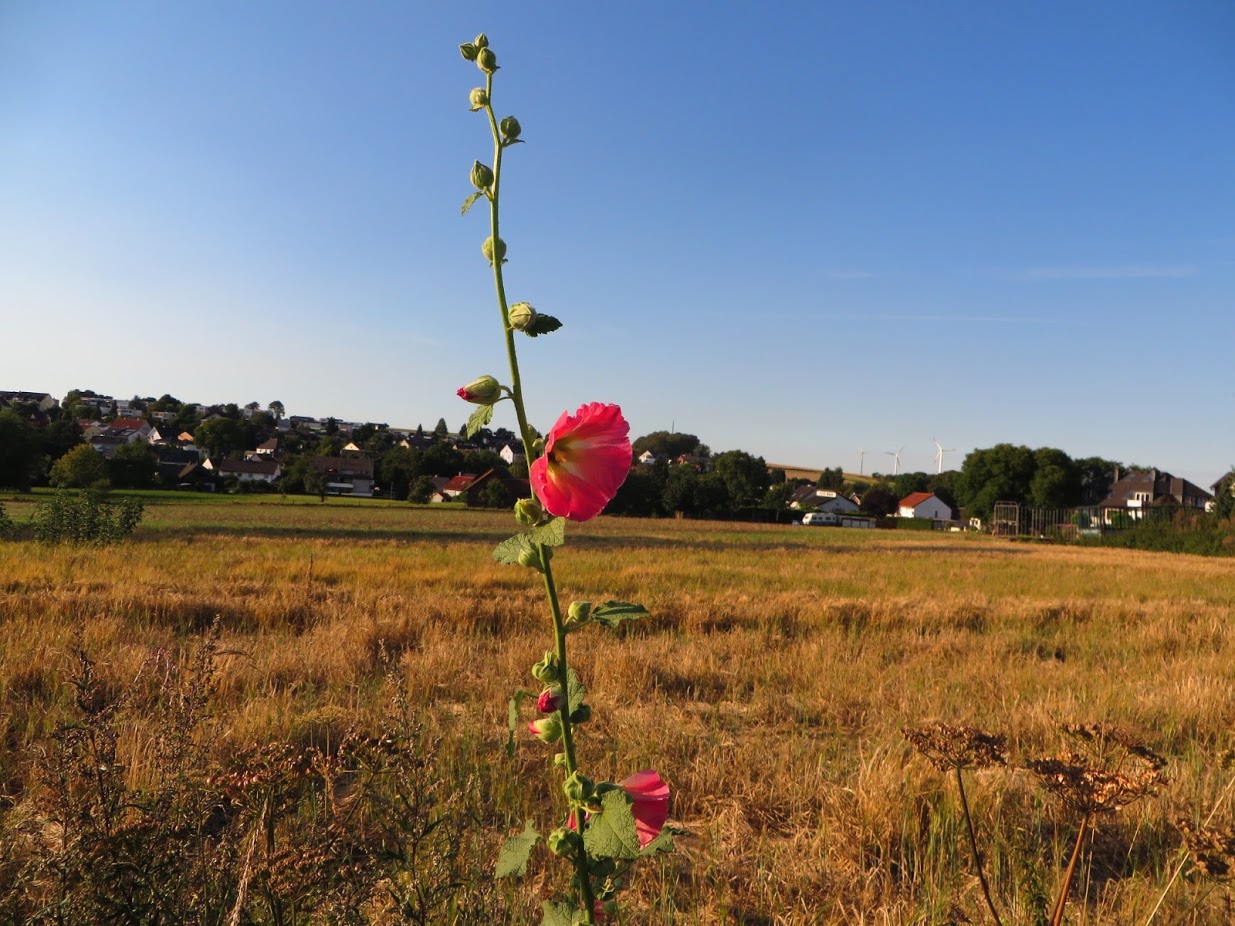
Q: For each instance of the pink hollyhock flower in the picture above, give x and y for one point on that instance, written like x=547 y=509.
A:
x=649 y=795
x=549 y=701
x=586 y=460
x=649 y=804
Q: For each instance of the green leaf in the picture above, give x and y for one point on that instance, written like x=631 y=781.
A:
x=508 y=551
x=481 y=417
x=662 y=843
x=470 y=201
x=576 y=691
x=612 y=613
x=512 y=860
x=552 y=534
x=560 y=914
x=611 y=833
x=543 y=325
x=512 y=719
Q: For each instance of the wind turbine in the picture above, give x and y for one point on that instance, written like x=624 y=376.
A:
x=940 y=450
x=861 y=462
x=896 y=459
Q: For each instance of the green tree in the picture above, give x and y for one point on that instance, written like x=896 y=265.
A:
x=639 y=496
x=277 y=409
x=1224 y=498
x=832 y=479
x=133 y=466
x=1056 y=481
x=59 y=437
x=681 y=490
x=778 y=495
x=667 y=445
x=879 y=502
x=1001 y=473
x=221 y=436
x=908 y=483
x=398 y=469
x=81 y=468
x=441 y=429
x=442 y=460
x=421 y=490
x=745 y=477
x=20 y=457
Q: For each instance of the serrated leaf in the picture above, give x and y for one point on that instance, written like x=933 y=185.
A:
x=662 y=843
x=512 y=860
x=470 y=201
x=611 y=613
x=509 y=551
x=576 y=691
x=552 y=534
x=481 y=417
x=560 y=914
x=543 y=325
x=612 y=833
x=512 y=720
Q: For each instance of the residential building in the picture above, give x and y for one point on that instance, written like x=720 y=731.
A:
x=924 y=505
x=346 y=475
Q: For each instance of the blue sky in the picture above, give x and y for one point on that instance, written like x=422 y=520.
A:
x=796 y=229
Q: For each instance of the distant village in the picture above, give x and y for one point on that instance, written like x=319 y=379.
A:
x=87 y=438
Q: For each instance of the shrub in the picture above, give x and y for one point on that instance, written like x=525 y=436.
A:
x=88 y=518
x=7 y=528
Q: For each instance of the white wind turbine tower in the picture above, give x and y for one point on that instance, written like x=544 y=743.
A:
x=861 y=462
x=896 y=459
x=940 y=450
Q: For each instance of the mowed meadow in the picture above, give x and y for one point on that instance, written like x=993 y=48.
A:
x=228 y=639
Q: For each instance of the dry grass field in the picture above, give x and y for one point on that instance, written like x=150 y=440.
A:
x=770 y=688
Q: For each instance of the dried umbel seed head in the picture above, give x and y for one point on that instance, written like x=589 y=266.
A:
x=1105 y=737
x=1212 y=849
x=1091 y=789
x=949 y=747
x=479 y=98
x=482 y=176
x=522 y=316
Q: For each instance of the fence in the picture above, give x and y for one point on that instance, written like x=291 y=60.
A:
x=1012 y=519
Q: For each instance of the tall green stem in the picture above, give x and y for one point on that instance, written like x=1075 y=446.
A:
x=582 y=876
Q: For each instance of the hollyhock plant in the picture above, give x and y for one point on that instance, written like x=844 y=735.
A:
x=587 y=458
x=603 y=828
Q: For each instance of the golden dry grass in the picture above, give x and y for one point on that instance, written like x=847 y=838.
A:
x=770 y=686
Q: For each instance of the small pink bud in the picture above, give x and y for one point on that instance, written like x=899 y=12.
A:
x=549 y=701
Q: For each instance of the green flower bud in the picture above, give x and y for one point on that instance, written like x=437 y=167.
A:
x=481 y=41
x=535 y=557
x=486 y=60
x=484 y=390
x=547 y=729
x=522 y=316
x=530 y=512
x=546 y=670
x=482 y=176
x=581 y=714
x=579 y=611
x=468 y=50
x=510 y=129
x=478 y=98
x=578 y=788
x=488 y=250
x=563 y=842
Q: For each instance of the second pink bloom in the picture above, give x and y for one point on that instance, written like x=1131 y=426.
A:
x=586 y=460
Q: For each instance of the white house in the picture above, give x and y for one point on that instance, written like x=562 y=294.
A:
x=266 y=471
x=924 y=505
x=510 y=454
x=824 y=500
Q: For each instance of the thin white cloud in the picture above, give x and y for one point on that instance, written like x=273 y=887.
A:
x=1132 y=272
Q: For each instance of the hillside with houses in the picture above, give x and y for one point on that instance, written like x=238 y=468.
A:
x=92 y=439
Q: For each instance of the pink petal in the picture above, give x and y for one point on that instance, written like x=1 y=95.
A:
x=649 y=796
